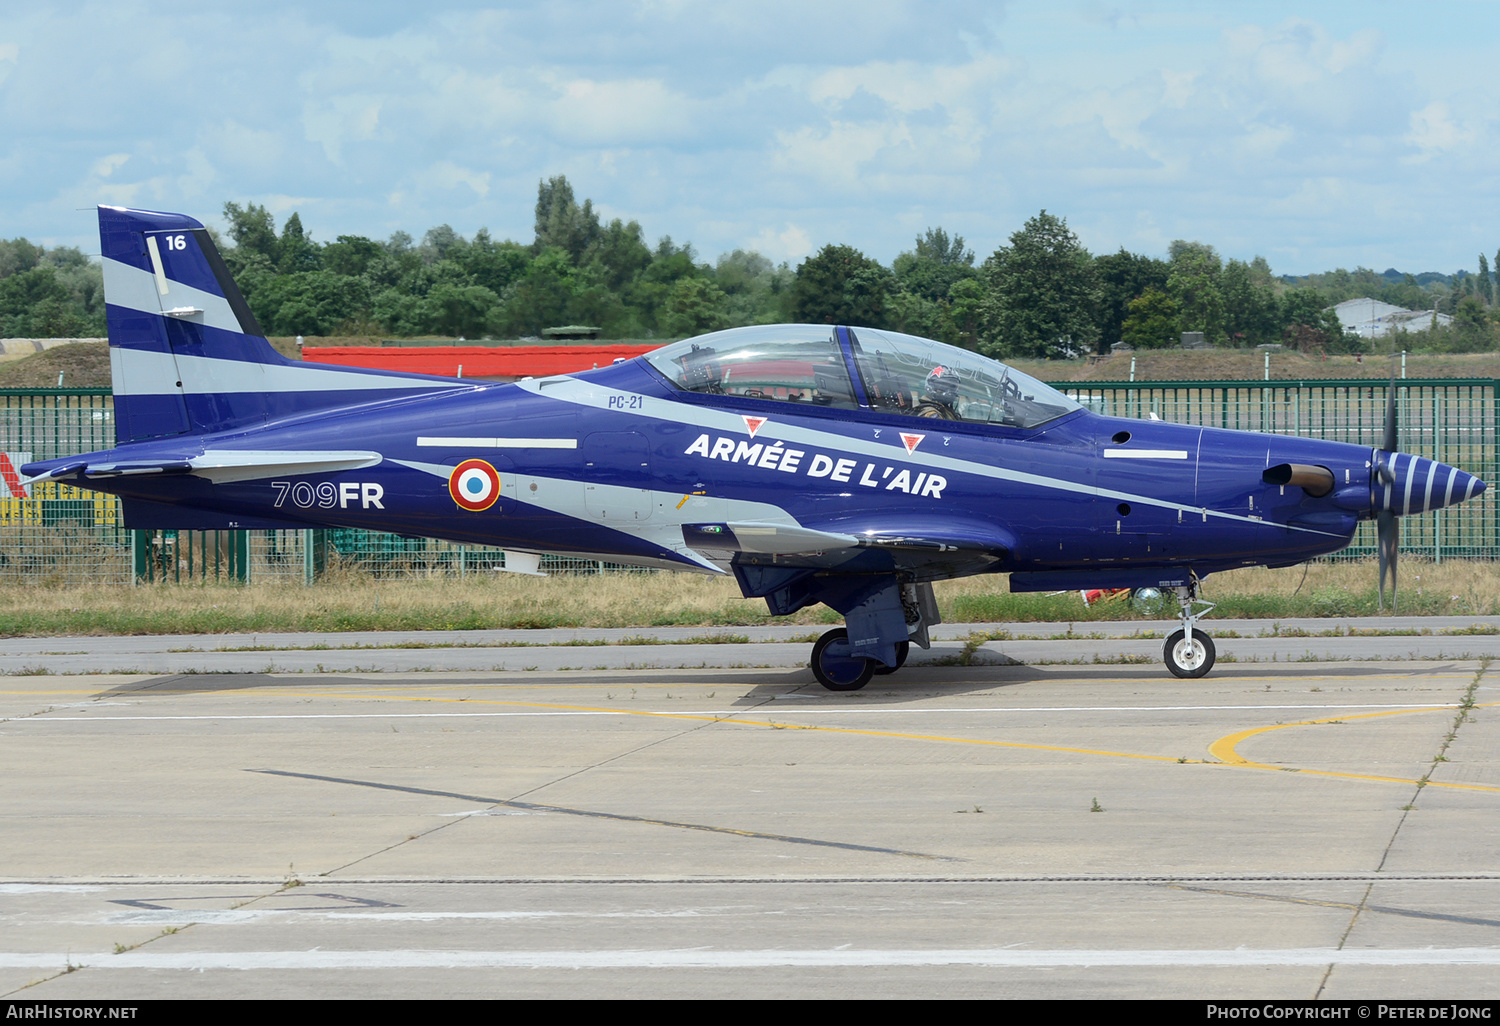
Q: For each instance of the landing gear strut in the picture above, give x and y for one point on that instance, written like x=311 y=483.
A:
x=1189 y=652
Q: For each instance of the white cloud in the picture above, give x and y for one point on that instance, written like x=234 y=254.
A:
x=841 y=122
x=628 y=110
x=846 y=155
x=1433 y=131
x=791 y=244
x=1178 y=87
x=446 y=175
x=106 y=166
x=334 y=121
x=908 y=86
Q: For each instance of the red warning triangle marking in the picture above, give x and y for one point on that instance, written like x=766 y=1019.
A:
x=752 y=424
x=912 y=441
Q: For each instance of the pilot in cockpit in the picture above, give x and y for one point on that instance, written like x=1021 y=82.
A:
x=939 y=395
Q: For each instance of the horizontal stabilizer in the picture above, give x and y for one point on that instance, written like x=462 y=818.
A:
x=221 y=466
x=226 y=465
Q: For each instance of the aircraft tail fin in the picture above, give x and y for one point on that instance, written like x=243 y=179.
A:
x=186 y=353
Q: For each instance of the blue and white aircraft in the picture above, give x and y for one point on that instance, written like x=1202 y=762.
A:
x=841 y=465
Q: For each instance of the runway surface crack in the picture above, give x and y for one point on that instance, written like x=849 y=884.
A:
x=1465 y=707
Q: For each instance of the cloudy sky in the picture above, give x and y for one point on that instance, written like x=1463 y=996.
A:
x=1315 y=134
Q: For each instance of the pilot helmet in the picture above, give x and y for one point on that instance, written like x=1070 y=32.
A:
x=941 y=385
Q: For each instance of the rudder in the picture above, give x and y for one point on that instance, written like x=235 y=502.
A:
x=186 y=352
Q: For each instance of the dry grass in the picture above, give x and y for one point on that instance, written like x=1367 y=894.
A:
x=354 y=603
x=1249 y=364
x=655 y=600
x=87 y=364
x=82 y=364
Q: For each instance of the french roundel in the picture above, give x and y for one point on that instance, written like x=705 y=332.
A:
x=474 y=485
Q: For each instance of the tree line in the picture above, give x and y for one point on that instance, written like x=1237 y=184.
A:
x=1040 y=295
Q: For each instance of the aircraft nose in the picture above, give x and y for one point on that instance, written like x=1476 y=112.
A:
x=1415 y=484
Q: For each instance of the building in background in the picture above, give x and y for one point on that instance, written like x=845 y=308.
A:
x=1370 y=318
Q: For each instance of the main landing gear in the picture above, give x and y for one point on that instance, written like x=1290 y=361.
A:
x=1189 y=652
x=838 y=669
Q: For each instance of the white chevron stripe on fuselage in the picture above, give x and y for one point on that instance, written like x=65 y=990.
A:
x=583 y=393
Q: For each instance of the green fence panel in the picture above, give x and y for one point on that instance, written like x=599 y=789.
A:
x=57 y=534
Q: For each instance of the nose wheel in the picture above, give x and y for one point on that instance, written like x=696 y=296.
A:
x=1189 y=656
x=1189 y=652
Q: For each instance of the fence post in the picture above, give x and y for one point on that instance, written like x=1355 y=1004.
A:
x=314 y=554
x=140 y=546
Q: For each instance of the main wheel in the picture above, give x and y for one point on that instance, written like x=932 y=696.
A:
x=903 y=649
x=1189 y=658
x=836 y=667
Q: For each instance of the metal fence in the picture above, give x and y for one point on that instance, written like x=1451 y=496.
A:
x=55 y=533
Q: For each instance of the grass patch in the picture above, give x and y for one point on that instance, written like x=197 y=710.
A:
x=354 y=603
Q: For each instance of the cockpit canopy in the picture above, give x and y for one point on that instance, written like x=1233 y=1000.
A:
x=893 y=373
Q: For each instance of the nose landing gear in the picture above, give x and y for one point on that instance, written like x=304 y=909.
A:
x=1189 y=652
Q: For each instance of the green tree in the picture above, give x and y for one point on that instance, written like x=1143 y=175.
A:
x=694 y=306
x=309 y=302
x=18 y=255
x=1194 y=283
x=441 y=243
x=458 y=310
x=493 y=264
x=1309 y=325
x=840 y=285
x=561 y=222
x=1250 y=308
x=296 y=251
x=1151 y=321
x=915 y=315
x=253 y=230
x=965 y=311
x=620 y=252
x=757 y=289
x=542 y=297
x=1123 y=277
x=1040 y=294
x=938 y=261
x=351 y=255
x=34 y=304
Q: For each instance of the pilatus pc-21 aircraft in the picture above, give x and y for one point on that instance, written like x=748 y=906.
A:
x=841 y=465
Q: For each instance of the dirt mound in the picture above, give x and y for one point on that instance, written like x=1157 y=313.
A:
x=82 y=365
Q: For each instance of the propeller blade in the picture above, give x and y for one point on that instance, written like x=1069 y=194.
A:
x=1388 y=535
x=1387 y=527
x=1389 y=443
